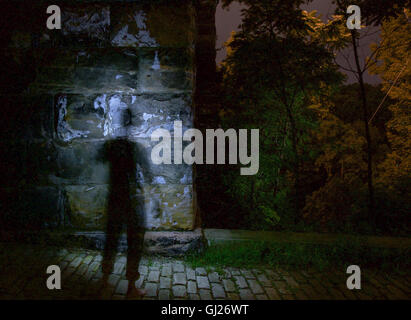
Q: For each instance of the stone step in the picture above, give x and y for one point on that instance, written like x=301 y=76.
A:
x=165 y=243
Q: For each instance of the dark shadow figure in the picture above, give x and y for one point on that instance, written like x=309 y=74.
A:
x=125 y=208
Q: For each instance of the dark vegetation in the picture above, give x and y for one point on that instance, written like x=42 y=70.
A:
x=332 y=157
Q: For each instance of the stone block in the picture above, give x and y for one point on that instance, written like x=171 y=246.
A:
x=169 y=207
x=87 y=71
x=84 y=25
x=81 y=163
x=87 y=206
x=155 y=25
x=162 y=71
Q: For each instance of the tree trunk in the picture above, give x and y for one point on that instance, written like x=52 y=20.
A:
x=296 y=164
x=367 y=129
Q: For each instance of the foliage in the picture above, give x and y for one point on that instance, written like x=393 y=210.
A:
x=276 y=64
x=300 y=256
x=394 y=172
x=280 y=76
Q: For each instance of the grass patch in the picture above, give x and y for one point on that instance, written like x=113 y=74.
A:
x=297 y=255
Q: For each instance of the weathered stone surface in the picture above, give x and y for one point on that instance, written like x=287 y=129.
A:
x=179 y=291
x=87 y=71
x=87 y=206
x=170 y=206
x=202 y=282
x=153 y=276
x=155 y=242
x=218 y=290
x=180 y=278
x=76 y=87
x=192 y=287
x=155 y=77
x=81 y=163
x=229 y=285
x=151 y=289
x=153 y=26
x=165 y=283
x=84 y=25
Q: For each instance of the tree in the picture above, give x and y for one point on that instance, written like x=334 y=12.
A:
x=279 y=60
x=392 y=63
x=373 y=14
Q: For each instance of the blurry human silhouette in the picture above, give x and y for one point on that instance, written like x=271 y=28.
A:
x=123 y=209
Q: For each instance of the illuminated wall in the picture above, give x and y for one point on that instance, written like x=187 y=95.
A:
x=71 y=90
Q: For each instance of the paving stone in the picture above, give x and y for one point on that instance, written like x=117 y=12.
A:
x=245 y=294
x=203 y=283
x=214 y=277
x=227 y=274
x=122 y=259
x=180 y=278
x=82 y=269
x=191 y=274
x=262 y=278
x=122 y=287
x=76 y=262
x=318 y=287
x=118 y=268
x=153 y=276
x=93 y=267
x=291 y=282
x=143 y=270
x=164 y=294
x=201 y=272
x=88 y=259
x=218 y=290
x=205 y=294
x=191 y=287
x=247 y=274
x=113 y=280
x=394 y=292
x=233 y=296
x=179 y=291
x=234 y=271
x=83 y=281
x=298 y=277
x=272 y=294
x=178 y=267
x=273 y=275
x=166 y=271
x=281 y=286
x=165 y=283
x=335 y=294
x=70 y=257
x=240 y=281
x=229 y=285
x=348 y=294
x=255 y=287
x=139 y=282
x=151 y=289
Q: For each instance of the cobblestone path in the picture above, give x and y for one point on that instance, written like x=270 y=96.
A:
x=23 y=276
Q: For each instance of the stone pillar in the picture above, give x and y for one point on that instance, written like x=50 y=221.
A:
x=69 y=89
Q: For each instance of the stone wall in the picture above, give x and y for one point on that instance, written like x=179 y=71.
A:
x=64 y=94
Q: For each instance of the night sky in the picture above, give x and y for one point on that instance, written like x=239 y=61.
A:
x=229 y=20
